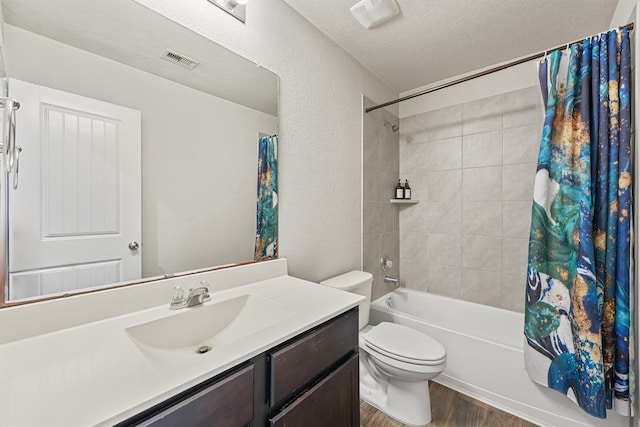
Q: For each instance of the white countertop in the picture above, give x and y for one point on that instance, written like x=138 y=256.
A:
x=94 y=374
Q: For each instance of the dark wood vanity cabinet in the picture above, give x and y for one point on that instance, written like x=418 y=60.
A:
x=334 y=401
x=295 y=364
x=226 y=402
x=309 y=381
x=314 y=378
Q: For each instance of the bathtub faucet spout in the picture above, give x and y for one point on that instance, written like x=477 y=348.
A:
x=393 y=280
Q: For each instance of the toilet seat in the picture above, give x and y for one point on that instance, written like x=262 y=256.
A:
x=404 y=344
x=403 y=370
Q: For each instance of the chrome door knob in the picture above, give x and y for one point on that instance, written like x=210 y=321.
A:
x=134 y=246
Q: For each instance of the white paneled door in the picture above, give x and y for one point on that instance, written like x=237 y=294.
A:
x=75 y=219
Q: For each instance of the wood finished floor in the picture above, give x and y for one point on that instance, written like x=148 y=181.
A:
x=448 y=409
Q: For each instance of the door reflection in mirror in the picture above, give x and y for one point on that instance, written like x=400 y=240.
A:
x=199 y=145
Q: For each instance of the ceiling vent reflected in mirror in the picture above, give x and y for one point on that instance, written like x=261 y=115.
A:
x=235 y=8
x=179 y=59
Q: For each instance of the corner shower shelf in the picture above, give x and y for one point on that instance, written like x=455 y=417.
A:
x=404 y=202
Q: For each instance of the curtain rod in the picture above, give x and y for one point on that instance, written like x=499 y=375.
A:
x=483 y=73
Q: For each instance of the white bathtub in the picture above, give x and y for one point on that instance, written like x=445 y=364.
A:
x=484 y=356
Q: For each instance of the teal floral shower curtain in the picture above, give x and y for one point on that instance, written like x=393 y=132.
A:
x=578 y=313
x=267 y=201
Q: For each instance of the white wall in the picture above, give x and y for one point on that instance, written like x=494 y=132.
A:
x=624 y=13
x=321 y=89
x=509 y=80
x=198 y=206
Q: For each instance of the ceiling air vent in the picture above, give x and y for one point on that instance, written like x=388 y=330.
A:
x=179 y=59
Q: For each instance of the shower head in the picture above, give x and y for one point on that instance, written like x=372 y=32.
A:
x=391 y=125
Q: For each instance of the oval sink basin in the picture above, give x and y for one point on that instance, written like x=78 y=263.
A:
x=210 y=324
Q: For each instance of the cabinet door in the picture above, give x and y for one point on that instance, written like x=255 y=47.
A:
x=300 y=362
x=228 y=402
x=332 y=402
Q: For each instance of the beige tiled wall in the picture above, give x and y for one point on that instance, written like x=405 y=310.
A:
x=472 y=166
x=380 y=218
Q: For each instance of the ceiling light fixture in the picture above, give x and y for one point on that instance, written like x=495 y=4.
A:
x=370 y=13
x=235 y=8
x=231 y=4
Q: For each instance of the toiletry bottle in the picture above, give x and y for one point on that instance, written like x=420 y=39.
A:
x=399 y=190
x=407 y=189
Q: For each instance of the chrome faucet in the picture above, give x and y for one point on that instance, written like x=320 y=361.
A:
x=196 y=296
x=389 y=279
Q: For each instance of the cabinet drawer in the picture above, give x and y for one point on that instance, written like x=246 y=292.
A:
x=332 y=402
x=227 y=402
x=296 y=364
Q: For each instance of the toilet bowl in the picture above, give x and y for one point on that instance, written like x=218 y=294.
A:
x=396 y=361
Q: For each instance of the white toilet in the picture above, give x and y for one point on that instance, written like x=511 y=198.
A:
x=396 y=361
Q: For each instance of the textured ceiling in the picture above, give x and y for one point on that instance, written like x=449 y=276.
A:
x=124 y=31
x=432 y=40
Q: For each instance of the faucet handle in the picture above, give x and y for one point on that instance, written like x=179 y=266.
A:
x=205 y=286
x=178 y=295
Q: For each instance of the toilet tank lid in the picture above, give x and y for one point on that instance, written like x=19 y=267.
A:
x=348 y=281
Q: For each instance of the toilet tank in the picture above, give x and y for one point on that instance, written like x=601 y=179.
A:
x=357 y=282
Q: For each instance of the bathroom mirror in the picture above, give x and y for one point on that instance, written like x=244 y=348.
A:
x=110 y=70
